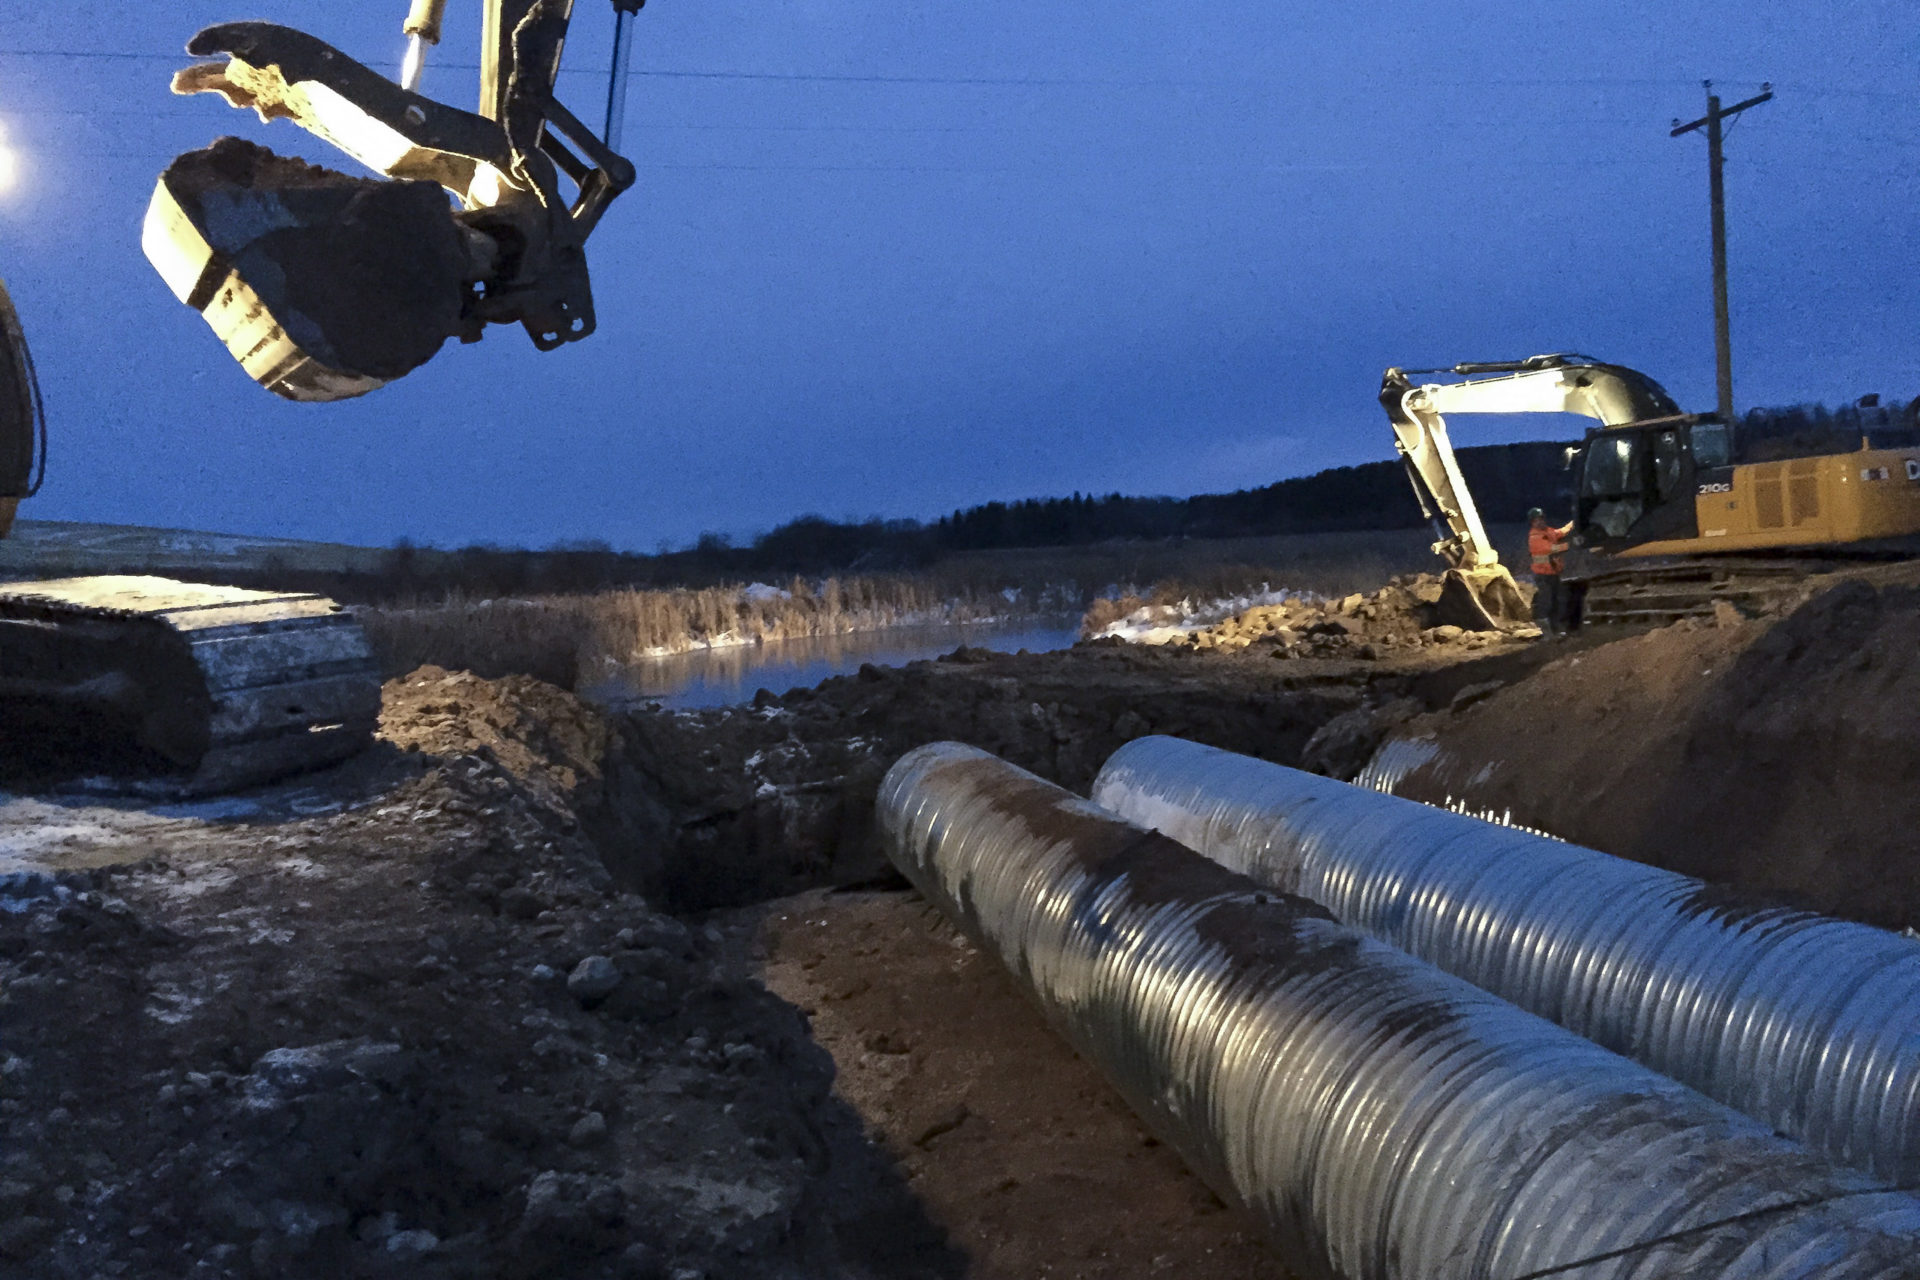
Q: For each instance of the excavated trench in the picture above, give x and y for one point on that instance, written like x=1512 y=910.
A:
x=521 y=993
x=536 y=990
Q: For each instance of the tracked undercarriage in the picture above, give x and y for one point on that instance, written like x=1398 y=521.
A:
x=1662 y=593
x=1659 y=590
x=218 y=687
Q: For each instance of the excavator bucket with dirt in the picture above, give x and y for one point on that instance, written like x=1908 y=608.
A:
x=324 y=285
x=1484 y=599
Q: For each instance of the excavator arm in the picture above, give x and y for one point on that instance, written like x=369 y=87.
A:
x=324 y=285
x=23 y=422
x=1480 y=590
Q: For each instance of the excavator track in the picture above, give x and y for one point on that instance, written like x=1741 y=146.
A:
x=1662 y=591
x=222 y=687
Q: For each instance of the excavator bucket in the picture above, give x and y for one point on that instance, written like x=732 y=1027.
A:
x=1486 y=599
x=322 y=285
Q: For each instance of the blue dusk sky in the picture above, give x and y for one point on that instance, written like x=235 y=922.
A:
x=894 y=258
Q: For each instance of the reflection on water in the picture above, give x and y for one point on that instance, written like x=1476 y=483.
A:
x=719 y=677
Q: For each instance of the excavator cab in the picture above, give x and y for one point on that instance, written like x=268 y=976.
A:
x=326 y=285
x=1636 y=483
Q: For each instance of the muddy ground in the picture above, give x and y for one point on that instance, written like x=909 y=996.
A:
x=534 y=991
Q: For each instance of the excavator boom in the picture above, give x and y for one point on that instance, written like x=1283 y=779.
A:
x=1480 y=591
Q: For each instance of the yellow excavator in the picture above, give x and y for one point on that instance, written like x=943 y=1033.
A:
x=323 y=285
x=1666 y=519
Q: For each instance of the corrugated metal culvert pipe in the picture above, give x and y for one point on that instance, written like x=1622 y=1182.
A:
x=1383 y=1120
x=1807 y=1023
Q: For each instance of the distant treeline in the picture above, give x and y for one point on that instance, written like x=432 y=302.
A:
x=1505 y=480
x=1801 y=430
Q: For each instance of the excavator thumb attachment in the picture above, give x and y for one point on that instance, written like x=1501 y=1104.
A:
x=1485 y=599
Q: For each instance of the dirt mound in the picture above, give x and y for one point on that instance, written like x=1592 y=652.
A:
x=421 y=1033
x=1401 y=616
x=1773 y=754
x=543 y=737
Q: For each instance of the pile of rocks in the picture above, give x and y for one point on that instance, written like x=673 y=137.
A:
x=1399 y=616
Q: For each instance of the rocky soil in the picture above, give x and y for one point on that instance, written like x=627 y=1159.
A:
x=1402 y=616
x=535 y=990
x=428 y=1033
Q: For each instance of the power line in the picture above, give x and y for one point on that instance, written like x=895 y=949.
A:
x=669 y=73
x=664 y=73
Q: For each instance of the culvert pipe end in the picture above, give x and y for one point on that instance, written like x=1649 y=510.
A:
x=1381 y=1120
x=1809 y=1024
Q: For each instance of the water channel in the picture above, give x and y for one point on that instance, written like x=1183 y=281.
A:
x=722 y=677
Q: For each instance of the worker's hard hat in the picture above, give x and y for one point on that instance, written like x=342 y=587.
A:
x=1535 y=513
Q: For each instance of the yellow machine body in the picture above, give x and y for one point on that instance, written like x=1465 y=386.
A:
x=1832 y=499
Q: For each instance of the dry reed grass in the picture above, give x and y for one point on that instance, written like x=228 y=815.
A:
x=561 y=637
x=558 y=637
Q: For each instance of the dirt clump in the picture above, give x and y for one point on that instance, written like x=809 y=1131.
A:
x=1400 y=617
x=1775 y=754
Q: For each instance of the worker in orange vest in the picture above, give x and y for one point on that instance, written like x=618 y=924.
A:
x=1545 y=545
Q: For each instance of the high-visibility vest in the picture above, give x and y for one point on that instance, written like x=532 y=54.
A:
x=1545 y=546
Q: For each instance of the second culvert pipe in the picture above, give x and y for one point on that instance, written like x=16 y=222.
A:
x=1807 y=1023
x=1382 y=1120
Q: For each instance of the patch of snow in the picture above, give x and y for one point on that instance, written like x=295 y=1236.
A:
x=1166 y=624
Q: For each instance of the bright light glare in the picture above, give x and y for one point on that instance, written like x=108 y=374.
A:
x=9 y=167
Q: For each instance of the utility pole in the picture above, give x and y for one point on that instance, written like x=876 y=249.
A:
x=1722 y=338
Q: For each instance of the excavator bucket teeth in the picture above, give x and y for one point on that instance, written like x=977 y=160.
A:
x=1483 y=600
x=322 y=285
